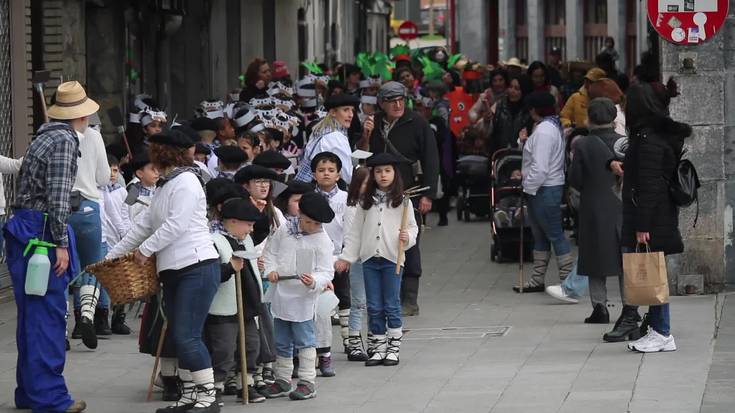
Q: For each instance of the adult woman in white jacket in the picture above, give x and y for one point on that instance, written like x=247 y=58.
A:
x=175 y=229
x=8 y=166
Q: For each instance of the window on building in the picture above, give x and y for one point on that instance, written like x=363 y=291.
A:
x=595 y=11
x=555 y=12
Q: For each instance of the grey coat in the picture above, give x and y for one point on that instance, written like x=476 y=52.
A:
x=601 y=209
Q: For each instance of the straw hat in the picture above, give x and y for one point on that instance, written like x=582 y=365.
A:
x=72 y=102
x=514 y=61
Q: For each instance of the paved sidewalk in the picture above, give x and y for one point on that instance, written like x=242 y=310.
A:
x=458 y=357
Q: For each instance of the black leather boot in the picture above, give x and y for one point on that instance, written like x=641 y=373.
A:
x=599 y=315
x=626 y=328
x=171 y=388
x=409 y=303
x=118 y=322
x=76 y=334
x=102 y=322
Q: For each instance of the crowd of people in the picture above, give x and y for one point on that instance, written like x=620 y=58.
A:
x=314 y=191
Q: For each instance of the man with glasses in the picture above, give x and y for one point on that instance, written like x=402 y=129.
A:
x=407 y=135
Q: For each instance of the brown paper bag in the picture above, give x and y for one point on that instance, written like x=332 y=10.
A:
x=646 y=280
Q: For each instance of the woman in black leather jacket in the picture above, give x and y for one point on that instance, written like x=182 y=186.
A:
x=511 y=116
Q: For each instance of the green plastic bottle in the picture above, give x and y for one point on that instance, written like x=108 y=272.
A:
x=39 y=267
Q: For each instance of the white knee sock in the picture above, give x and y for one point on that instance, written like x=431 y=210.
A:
x=307 y=365
x=168 y=366
x=188 y=391
x=88 y=297
x=204 y=381
x=284 y=368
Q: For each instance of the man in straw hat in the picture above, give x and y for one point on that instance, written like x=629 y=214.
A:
x=41 y=211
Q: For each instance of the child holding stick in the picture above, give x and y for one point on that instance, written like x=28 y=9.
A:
x=375 y=238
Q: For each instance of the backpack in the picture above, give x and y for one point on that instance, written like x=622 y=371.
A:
x=684 y=184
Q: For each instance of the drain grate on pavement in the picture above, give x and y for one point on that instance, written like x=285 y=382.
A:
x=454 y=333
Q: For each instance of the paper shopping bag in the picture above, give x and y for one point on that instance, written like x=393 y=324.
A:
x=646 y=280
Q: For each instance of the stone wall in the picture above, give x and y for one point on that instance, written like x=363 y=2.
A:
x=707 y=102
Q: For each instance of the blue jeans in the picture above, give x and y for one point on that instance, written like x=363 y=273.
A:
x=575 y=285
x=188 y=294
x=290 y=335
x=544 y=210
x=357 y=291
x=383 y=294
x=87 y=227
x=660 y=319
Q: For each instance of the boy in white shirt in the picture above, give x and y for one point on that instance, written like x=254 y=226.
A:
x=115 y=224
x=146 y=176
x=293 y=296
x=326 y=168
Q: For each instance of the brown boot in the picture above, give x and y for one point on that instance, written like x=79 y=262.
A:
x=409 y=303
x=76 y=407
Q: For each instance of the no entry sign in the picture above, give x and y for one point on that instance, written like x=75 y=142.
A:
x=687 y=22
x=408 y=30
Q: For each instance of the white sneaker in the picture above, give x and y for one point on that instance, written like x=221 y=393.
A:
x=557 y=292
x=654 y=343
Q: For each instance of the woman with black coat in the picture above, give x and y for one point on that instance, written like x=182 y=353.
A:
x=650 y=216
x=511 y=116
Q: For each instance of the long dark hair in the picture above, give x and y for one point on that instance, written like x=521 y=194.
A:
x=539 y=65
x=644 y=103
x=395 y=193
x=253 y=71
x=358 y=177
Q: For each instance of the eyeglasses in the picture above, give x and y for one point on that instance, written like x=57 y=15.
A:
x=261 y=182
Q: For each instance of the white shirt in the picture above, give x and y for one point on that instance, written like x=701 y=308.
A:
x=225 y=300
x=291 y=300
x=619 y=122
x=115 y=218
x=8 y=166
x=335 y=228
x=174 y=227
x=374 y=233
x=93 y=170
x=137 y=208
x=543 y=158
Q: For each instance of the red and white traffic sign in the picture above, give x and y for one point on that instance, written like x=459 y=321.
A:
x=687 y=22
x=408 y=30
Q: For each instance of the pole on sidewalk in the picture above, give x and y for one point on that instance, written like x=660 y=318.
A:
x=159 y=348
x=241 y=321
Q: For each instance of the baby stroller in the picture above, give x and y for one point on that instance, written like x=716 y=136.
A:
x=473 y=181
x=509 y=223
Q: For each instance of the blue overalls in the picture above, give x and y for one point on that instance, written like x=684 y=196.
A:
x=41 y=320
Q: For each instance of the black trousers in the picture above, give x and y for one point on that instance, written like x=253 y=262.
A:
x=341 y=283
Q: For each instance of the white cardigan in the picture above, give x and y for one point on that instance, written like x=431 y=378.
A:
x=225 y=300
x=374 y=233
x=8 y=166
x=174 y=227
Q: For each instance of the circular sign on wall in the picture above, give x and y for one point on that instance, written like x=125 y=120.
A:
x=408 y=30
x=687 y=22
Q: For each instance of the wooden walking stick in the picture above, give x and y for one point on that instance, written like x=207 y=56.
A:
x=401 y=244
x=159 y=348
x=241 y=321
x=407 y=195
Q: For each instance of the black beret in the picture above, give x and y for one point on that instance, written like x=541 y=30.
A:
x=219 y=190
x=383 y=158
x=316 y=207
x=254 y=172
x=540 y=99
x=231 y=154
x=202 y=149
x=296 y=188
x=341 y=99
x=140 y=160
x=174 y=138
x=240 y=209
x=188 y=131
x=272 y=159
x=203 y=123
x=331 y=156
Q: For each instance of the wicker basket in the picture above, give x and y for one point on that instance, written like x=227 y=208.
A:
x=125 y=280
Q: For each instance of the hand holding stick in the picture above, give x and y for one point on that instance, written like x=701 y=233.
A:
x=407 y=195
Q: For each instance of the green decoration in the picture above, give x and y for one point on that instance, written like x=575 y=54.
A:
x=432 y=70
x=453 y=60
x=313 y=68
x=399 y=50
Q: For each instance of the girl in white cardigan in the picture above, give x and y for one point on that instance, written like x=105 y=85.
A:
x=374 y=238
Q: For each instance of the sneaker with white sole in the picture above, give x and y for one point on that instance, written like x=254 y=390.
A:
x=654 y=343
x=557 y=291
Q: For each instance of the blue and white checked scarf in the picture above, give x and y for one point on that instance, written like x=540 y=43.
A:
x=293 y=227
x=380 y=197
x=329 y=194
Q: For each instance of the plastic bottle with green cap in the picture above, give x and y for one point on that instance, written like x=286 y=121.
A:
x=39 y=266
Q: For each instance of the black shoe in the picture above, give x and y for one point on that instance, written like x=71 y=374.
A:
x=254 y=396
x=626 y=328
x=230 y=387
x=218 y=398
x=528 y=288
x=76 y=334
x=102 y=322
x=86 y=329
x=118 y=323
x=599 y=315
x=443 y=221
x=212 y=408
x=175 y=409
x=171 y=388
